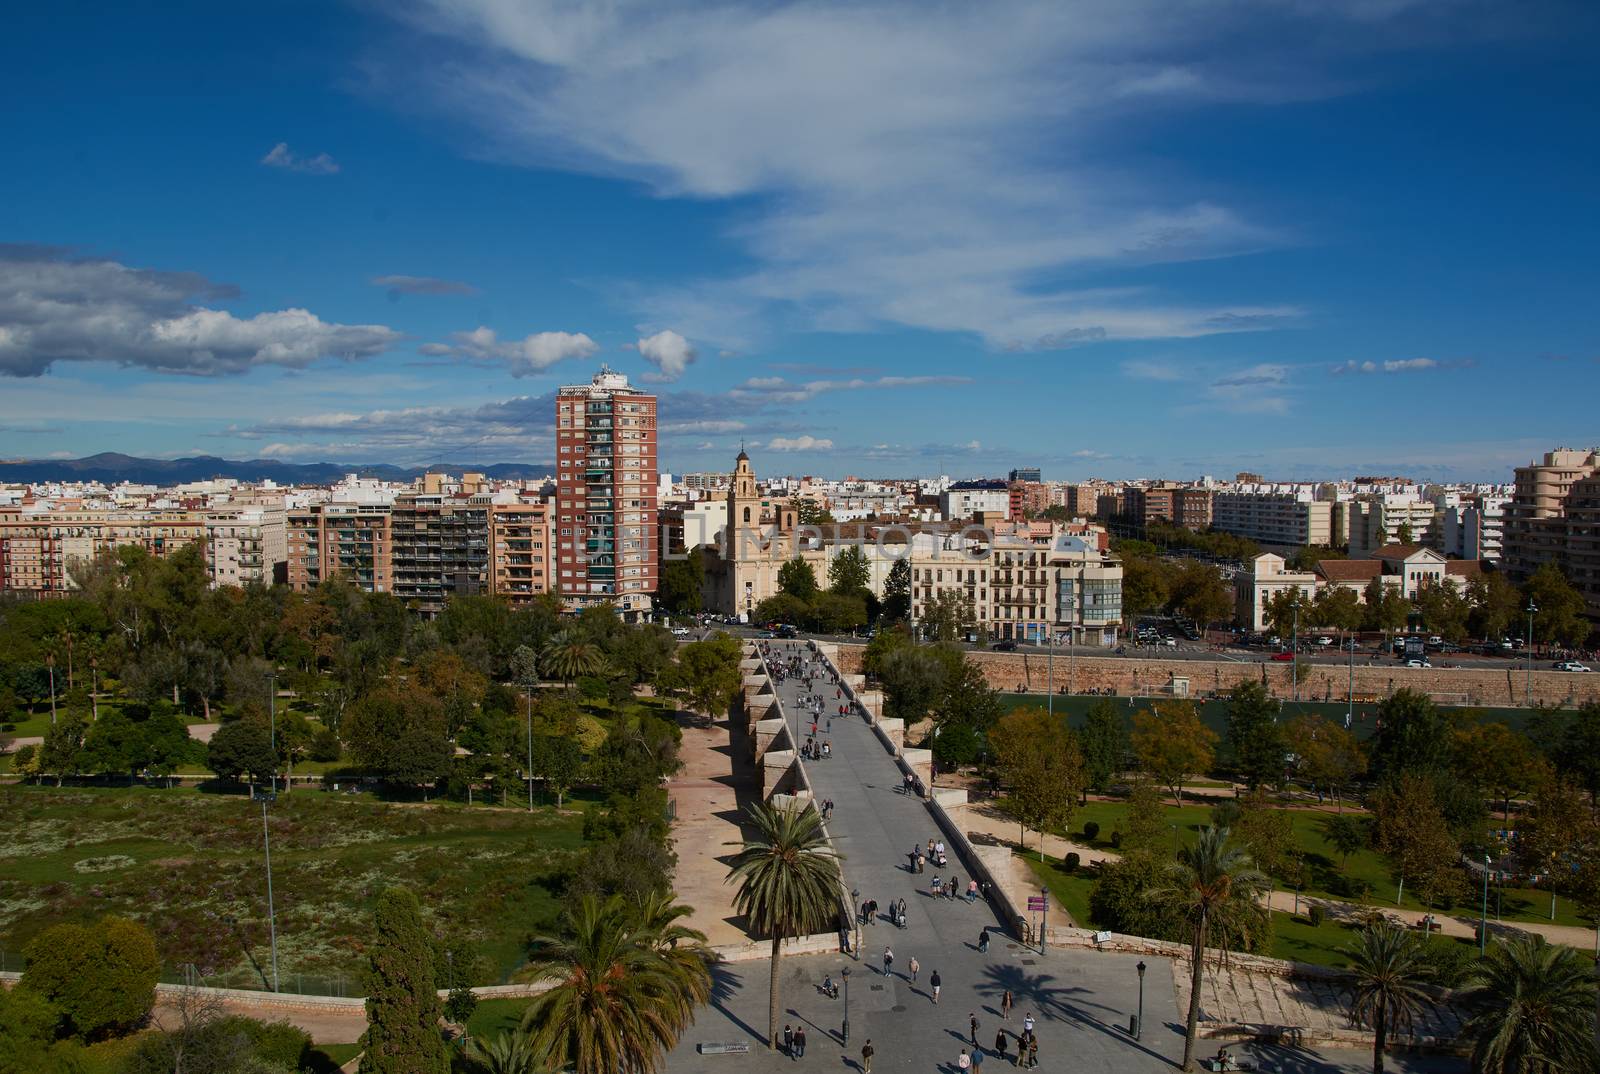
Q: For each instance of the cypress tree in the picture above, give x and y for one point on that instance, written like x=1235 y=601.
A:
x=403 y=1007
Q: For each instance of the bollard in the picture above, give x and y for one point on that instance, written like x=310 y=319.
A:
x=1133 y=1025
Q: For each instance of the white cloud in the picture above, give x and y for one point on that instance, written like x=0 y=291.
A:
x=423 y=285
x=669 y=352
x=1152 y=369
x=941 y=166
x=523 y=357
x=1401 y=365
x=1257 y=389
x=281 y=156
x=799 y=443
x=779 y=390
x=55 y=308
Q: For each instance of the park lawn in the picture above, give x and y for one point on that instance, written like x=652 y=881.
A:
x=495 y=1016
x=188 y=864
x=1069 y=890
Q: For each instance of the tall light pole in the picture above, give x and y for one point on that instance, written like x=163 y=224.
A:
x=265 y=797
x=845 y=973
x=1350 y=687
x=50 y=663
x=1044 y=918
x=1532 y=609
x=94 y=687
x=855 y=911
x=272 y=723
x=527 y=688
x=1294 y=650
x=1138 y=1021
x=1483 y=921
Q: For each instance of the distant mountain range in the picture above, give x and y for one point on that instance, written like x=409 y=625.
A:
x=112 y=467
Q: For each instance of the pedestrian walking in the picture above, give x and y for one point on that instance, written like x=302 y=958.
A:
x=972 y=891
x=800 y=1042
x=1000 y=1042
x=938 y=886
x=933 y=980
x=953 y=887
x=866 y=1057
x=983 y=940
x=964 y=1061
x=888 y=962
x=972 y=1020
x=913 y=966
x=977 y=1060
x=788 y=1039
x=1033 y=1052
x=922 y=863
x=1005 y=1005
x=1027 y=1024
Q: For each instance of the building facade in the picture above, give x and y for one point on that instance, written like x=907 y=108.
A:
x=1274 y=518
x=606 y=493
x=1536 y=518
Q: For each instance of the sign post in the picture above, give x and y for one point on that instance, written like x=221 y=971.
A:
x=1041 y=903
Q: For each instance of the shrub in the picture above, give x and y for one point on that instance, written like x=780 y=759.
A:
x=101 y=977
x=459 y=1005
x=1316 y=914
x=1116 y=840
x=1072 y=862
x=325 y=746
x=1091 y=830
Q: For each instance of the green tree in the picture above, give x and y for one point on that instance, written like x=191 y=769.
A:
x=569 y=656
x=682 y=583
x=403 y=1009
x=839 y=613
x=1444 y=611
x=1409 y=828
x=1105 y=744
x=1120 y=902
x=913 y=679
x=100 y=978
x=1324 y=753
x=557 y=762
x=1146 y=585
x=1285 y=609
x=1390 y=973
x=948 y=617
x=1532 y=1007
x=809 y=512
x=783 y=608
x=61 y=752
x=1039 y=759
x=1386 y=607
x=798 y=580
x=1560 y=619
x=1200 y=593
x=1172 y=744
x=401 y=738
x=1552 y=829
x=848 y=572
x=1146 y=824
x=1496 y=605
x=242 y=748
x=1346 y=834
x=897 y=592
x=1268 y=834
x=626 y=979
x=705 y=675
x=1498 y=761
x=789 y=884
x=1413 y=737
x=1253 y=734
x=1338 y=607
x=1214 y=885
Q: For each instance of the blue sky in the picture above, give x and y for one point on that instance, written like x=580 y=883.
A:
x=1106 y=238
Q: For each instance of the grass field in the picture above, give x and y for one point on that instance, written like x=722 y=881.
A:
x=189 y=865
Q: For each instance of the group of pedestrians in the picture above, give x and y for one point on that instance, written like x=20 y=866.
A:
x=794 y=1041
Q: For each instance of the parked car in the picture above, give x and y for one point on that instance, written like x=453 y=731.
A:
x=1004 y=646
x=1323 y=641
x=1414 y=662
x=1571 y=665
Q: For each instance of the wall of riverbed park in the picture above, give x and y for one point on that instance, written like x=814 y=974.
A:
x=1487 y=687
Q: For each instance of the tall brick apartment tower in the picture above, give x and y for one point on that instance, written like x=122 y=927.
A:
x=606 y=494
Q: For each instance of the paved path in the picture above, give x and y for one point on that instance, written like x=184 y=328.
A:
x=1080 y=999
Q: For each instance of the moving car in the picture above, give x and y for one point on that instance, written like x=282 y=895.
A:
x=1004 y=646
x=1285 y=656
x=1571 y=665
x=1418 y=662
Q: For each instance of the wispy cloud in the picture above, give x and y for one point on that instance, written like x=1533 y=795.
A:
x=1402 y=365
x=780 y=390
x=281 y=156
x=1258 y=389
x=947 y=167
x=422 y=285
x=799 y=443
x=1153 y=369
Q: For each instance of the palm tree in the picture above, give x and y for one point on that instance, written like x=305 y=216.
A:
x=1533 y=1010
x=570 y=656
x=789 y=883
x=619 y=1002
x=1390 y=971
x=506 y=1053
x=1214 y=886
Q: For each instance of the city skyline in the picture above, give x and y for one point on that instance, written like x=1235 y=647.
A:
x=1087 y=237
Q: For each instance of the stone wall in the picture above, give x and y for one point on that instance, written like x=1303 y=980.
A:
x=1124 y=675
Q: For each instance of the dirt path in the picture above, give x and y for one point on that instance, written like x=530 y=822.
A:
x=710 y=792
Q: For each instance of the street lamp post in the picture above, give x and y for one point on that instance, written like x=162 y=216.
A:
x=1044 y=918
x=50 y=663
x=1294 y=653
x=266 y=797
x=1138 y=1020
x=845 y=973
x=272 y=724
x=1532 y=609
x=1483 y=921
x=855 y=911
x=94 y=688
x=528 y=689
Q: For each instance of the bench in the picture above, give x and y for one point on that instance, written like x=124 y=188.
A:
x=723 y=1047
x=1427 y=925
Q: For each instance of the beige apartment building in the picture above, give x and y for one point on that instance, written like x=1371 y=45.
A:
x=39 y=547
x=1536 y=520
x=1391 y=519
x=1284 y=519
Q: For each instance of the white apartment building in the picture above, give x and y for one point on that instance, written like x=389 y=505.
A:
x=245 y=545
x=1287 y=519
x=1473 y=529
x=1390 y=519
x=1266 y=577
